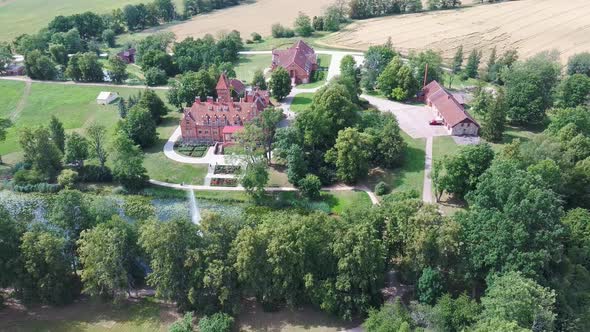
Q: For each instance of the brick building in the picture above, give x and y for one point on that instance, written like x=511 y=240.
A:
x=455 y=118
x=213 y=121
x=299 y=60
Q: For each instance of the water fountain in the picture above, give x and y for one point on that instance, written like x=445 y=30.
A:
x=195 y=212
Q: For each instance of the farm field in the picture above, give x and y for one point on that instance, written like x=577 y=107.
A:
x=531 y=26
x=28 y=16
x=257 y=16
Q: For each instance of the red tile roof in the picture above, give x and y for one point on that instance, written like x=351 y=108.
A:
x=232 y=129
x=450 y=109
x=300 y=54
x=237 y=85
x=222 y=83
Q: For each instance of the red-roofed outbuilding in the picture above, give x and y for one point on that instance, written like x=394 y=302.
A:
x=299 y=60
x=455 y=118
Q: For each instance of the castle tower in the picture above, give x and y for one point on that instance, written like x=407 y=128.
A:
x=223 y=89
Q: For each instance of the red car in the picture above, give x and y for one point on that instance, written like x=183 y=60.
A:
x=436 y=122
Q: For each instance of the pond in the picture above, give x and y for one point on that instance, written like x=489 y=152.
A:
x=34 y=207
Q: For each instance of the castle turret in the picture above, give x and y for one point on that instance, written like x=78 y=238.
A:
x=223 y=89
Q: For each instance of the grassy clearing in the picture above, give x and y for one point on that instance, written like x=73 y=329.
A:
x=443 y=146
x=408 y=176
x=304 y=319
x=340 y=201
x=248 y=64
x=93 y=316
x=12 y=92
x=74 y=105
x=301 y=102
x=162 y=168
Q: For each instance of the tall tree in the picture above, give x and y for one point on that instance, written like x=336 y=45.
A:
x=573 y=91
x=529 y=88
x=58 y=136
x=512 y=297
x=69 y=214
x=430 y=60
x=140 y=126
x=97 y=138
x=152 y=102
x=376 y=58
x=458 y=60
x=168 y=246
x=472 y=65
x=579 y=64
x=76 y=150
x=128 y=166
x=259 y=80
x=117 y=69
x=106 y=253
x=303 y=25
x=495 y=117
x=47 y=274
x=350 y=155
x=512 y=224
x=280 y=83
x=4 y=124
x=39 y=150
x=459 y=174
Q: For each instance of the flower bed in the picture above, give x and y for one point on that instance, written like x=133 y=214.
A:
x=224 y=182
x=226 y=169
x=196 y=151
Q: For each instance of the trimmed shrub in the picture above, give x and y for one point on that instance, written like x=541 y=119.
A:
x=27 y=177
x=382 y=189
x=93 y=173
x=256 y=36
x=218 y=322
x=67 y=178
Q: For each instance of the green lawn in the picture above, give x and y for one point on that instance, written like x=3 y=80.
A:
x=75 y=106
x=442 y=146
x=248 y=64
x=410 y=175
x=301 y=102
x=343 y=200
x=11 y=93
x=162 y=168
x=28 y=16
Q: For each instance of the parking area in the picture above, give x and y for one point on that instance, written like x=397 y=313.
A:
x=413 y=119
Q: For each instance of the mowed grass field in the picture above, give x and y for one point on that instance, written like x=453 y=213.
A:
x=408 y=176
x=530 y=26
x=76 y=107
x=247 y=65
x=28 y=16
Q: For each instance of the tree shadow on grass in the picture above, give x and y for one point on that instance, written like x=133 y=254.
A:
x=254 y=318
x=141 y=314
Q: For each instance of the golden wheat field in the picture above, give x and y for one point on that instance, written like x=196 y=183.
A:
x=254 y=17
x=530 y=26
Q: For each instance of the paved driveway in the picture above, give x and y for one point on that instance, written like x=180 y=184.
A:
x=413 y=120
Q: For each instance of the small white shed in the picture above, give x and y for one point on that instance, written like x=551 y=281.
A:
x=106 y=97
